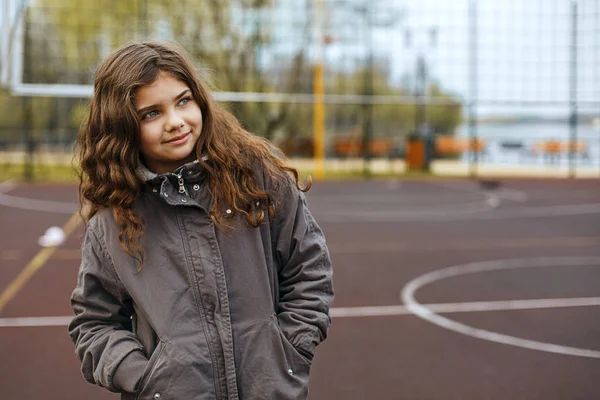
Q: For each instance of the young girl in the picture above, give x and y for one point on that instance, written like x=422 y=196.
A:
x=203 y=274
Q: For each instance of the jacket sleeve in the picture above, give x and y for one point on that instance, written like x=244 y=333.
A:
x=111 y=355
x=304 y=272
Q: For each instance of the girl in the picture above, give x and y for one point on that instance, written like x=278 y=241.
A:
x=203 y=274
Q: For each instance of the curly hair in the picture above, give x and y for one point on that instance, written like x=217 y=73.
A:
x=108 y=145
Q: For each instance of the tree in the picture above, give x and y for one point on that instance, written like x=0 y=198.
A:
x=224 y=37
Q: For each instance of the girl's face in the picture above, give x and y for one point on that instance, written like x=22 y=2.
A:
x=170 y=123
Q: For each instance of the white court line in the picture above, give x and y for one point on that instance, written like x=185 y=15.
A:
x=7 y=186
x=490 y=201
x=34 y=321
x=375 y=311
x=487 y=244
x=447 y=214
x=487 y=209
x=389 y=197
x=512 y=194
x=434 y=212
x=423 y=311
x=465 y=211
x=476 y=306
x=24 y=203
x=547 y=211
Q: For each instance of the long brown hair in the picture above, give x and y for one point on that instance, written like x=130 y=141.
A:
x=108 y=145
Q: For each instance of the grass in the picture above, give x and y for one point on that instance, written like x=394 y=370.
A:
x=41 y=173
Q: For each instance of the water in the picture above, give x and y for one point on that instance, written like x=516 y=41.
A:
x=515 y=143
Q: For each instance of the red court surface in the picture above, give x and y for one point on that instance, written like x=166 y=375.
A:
x=445 y=290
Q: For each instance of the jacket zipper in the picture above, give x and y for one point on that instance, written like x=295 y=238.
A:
x=179 y=177
x=180 y=182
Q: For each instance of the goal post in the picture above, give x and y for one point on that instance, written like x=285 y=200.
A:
x=11 y=42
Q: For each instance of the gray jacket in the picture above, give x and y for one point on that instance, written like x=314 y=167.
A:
x=212 y=314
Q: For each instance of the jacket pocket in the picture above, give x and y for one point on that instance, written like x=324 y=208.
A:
x=300 y=361
x=269 y=367
x=147 y=375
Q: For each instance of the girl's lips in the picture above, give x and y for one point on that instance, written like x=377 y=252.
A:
x=179 y=139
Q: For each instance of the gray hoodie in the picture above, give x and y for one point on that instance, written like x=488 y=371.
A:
x=212 y=314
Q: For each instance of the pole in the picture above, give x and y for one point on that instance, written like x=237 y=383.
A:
x=5 y=43
x=143 y=18
x=573 y=91
x=472 y=148
x=319 y=92
x=26 y=101
x=368 y=91
x=421 y=110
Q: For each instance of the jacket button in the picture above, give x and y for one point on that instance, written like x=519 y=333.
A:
x=290 y=371
x=184 y=200
x=228 y=211
x=157 y=396
x=196 y=187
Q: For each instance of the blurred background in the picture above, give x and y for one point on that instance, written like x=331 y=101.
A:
x=359 y=87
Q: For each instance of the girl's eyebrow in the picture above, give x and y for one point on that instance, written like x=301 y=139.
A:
x=141 y=110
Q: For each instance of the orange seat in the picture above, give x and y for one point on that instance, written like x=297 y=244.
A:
x=349 y=147
x=448 y=145
x=555 y=147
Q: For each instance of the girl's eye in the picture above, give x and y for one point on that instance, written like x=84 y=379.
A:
x=149 y=115
x=184 y=101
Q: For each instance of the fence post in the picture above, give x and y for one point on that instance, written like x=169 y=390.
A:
x=471 y=151
x=573 y=91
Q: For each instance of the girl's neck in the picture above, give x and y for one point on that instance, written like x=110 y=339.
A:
x=165 y=168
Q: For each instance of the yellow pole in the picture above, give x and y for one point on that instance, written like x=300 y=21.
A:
x=319 y=122
x=319 y=92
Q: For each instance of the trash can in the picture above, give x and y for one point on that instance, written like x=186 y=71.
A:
x=419 y=152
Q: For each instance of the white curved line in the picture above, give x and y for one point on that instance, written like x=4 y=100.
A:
x=389 y=197
x=452 y=215
x=435 y=213
x=34 y=321
x=24 y=203
x=420 y=310
x=7 y=186
x=513 y=195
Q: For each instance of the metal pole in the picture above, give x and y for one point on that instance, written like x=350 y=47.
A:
x=146 y=23
x=17 y=49
x=421 y=108
x=319 y=92
x=472 y=150
x=573 y=91
x=368 y=91
x=143 y=18
x=5 y=43
x=27 y=104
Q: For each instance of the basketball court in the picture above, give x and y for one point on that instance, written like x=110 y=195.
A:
x=444 y=290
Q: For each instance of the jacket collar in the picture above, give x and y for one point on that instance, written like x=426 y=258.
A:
x=191 y=172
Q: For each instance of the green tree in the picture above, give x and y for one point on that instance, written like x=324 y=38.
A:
x=390 y=120
x=223 y=36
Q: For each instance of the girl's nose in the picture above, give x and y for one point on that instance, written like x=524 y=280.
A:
x=174 y=122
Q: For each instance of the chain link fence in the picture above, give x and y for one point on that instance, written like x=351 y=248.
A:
x=477 y=81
